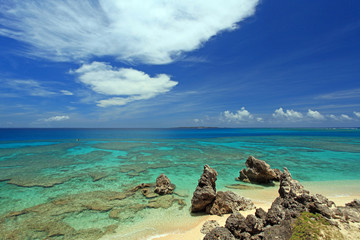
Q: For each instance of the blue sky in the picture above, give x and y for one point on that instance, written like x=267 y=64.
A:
x=154 y=63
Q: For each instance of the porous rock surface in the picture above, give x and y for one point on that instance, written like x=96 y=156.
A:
x=164 y=185
x=205 y=191
x=278 y=221
x=258 y=171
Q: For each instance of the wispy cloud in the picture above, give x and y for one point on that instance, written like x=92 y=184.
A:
x=125 y=84
x=288 y=114
x=340 y=117
x=29 y=87
x=66 y=92
x=140 y=31
x=57 y=118
x=357 y=114
x=351 y=93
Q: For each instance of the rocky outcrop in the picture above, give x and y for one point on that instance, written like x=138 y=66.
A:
x=258 y=171
x=229 y=202
x=164 y=185
x=293 y=202
x=219 y=233
x=209 y=226
x=205 y=192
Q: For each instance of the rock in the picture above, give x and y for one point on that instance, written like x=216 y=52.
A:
x=148 y=193
x=290 y=188
x=258 y=171
x=260 y=213
x=208 y=226
x=219 y=233
x=205 y=192
x=229 y=202
x=254 y=225
x=165 y=201
x=282 y=231
x=236 y=224
x=354 y=204
x=163 y=185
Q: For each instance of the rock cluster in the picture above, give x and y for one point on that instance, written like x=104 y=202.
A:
x=278 y=221
x=258 y=171
x=205 y=198
x=164 y=185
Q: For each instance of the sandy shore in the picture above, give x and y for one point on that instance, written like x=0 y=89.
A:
x=166 y=225
x=340 y=192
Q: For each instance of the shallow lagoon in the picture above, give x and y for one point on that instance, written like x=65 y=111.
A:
x=74 y=183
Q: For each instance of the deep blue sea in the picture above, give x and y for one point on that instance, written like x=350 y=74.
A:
x=74 y=183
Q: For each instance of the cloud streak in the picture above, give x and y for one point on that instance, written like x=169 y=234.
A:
x=56 y=118
x=152 y=31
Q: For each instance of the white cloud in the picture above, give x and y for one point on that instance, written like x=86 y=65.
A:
x=151 y=31
x=315 y=114
x=56 y=118
x=196 y=120
x=240 y=115
x=345 y=117
x=259 y=119
x=341 y=117
x=289 y=114
x=125 y=84
x=357 y=114
x=66 y=92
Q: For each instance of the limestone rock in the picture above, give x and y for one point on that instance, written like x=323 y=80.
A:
x=205 y=192
x=164 y=185
x=229 y=202
x=236 y=224
x=208 y=226
x=258 y=171
x=219 y=233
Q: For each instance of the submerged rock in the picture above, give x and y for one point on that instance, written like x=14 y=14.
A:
x=258 y=171
x=164 y=185
x=205 y=192
x=229 y=202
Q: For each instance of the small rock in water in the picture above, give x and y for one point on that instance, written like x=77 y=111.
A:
x=258 y=171
x=164 y=185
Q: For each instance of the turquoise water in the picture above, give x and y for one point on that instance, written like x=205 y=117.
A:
x=67 y=180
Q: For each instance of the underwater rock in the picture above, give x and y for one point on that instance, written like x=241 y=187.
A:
x=208 y=226
x=205 y=192
x=164 y=185
x=229 y=202
x=164 y=201
x=243 y=187
x=258 y=171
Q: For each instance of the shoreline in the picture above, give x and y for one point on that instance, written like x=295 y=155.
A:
x=340 y=192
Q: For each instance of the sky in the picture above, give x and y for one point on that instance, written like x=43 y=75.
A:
x=157 y=63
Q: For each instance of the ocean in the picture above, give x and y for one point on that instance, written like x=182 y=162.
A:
x=76 y=183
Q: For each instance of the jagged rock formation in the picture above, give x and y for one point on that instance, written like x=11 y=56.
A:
x=219 y=233
x=205 y=198
x=205 y=192
x=258 y=171
x=278 y=222
x=228 y=202
x=164 y=185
